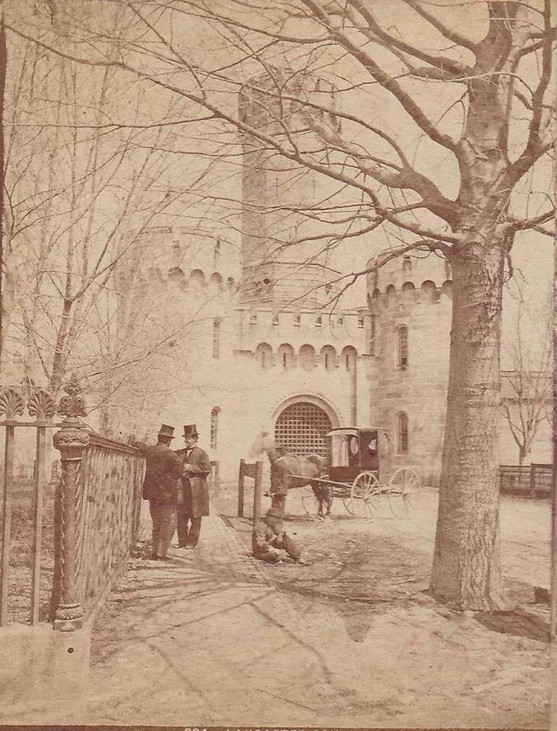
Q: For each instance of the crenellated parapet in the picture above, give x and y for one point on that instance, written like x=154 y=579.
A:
x=409 y=294
x=307 y=357
x=183 y=256
x=297 y=328
x=411 y=278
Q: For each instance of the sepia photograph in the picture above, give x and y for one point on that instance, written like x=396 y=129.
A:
x=277 y=364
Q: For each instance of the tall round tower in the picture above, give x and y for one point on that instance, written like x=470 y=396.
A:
x=410 y=299
x=279 y=264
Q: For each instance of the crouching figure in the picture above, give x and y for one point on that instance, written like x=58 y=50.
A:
x=270 y=542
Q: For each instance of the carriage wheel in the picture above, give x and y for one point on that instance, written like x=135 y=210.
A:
x=310 y=502
x=364 y=495
x=400 y=489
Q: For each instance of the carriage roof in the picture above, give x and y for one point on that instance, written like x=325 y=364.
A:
x=352 y=431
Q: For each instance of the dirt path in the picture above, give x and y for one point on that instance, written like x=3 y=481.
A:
x=350 y=640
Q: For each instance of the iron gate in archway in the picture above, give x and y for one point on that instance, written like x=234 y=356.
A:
x=301 y=429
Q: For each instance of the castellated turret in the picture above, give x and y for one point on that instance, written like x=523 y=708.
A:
x=282 y=262
x=410 y=300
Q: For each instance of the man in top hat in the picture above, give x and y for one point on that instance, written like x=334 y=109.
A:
x=193 y=492
x=269 y=541
x=160 y=488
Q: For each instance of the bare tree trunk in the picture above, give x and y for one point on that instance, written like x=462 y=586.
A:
x=59 y=359
x=466 y=566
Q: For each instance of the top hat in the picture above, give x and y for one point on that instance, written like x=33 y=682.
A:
x=166 y=431
x=190 y=430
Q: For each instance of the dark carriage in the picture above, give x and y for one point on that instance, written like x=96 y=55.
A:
x=358 y=459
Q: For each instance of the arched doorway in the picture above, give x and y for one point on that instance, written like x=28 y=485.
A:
x=301 y=428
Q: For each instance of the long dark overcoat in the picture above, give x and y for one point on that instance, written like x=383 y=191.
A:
x=163 y=469
x=196 y=479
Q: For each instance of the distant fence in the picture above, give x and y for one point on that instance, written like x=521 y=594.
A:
x=534 y=481
x=95 y=511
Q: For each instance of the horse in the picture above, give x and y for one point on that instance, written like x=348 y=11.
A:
x=289 y=470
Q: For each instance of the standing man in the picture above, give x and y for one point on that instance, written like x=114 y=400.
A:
x=280 y=480
x=160 y=488
x=193 y=493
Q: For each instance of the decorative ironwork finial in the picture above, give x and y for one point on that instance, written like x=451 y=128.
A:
x=41 y=405
x=72 y=405
x=12 y=402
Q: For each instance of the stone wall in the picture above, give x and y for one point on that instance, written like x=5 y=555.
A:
x=416 y=386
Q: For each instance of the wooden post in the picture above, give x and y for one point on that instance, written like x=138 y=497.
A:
x=257 y=491
x=241 y=490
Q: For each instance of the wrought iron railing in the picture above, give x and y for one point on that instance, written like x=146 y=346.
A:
x=95 y=515
x=15 y=404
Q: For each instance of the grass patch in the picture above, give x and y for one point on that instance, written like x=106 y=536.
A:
x=22 y=554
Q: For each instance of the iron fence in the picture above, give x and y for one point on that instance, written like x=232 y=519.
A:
x=534 y=480
x=93 y=514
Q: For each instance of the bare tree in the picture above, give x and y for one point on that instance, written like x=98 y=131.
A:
x=77 y=200
x=527 y=387
x=436 y=136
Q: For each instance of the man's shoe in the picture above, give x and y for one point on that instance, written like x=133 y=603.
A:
x=189 y=545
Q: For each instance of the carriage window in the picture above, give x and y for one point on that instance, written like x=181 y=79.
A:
x=354 y=447
x=402 y=433
x=402 y=350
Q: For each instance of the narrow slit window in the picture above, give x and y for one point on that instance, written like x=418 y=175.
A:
x=216 y=338
x=402 y=359
x=402 y=433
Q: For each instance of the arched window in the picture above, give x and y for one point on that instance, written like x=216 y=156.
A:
x=264 y=355
x=307 y=357
x=348 y=358
x=197 y=278
x=286 y=356
x=329 y=357
x=215 y=280
x=402 y=348
x=216 y=338
x=176 y=275
x=214 y=427
x=402 y=432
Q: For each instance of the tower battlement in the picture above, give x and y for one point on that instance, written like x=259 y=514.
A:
x=407 y=271
x=409 y=294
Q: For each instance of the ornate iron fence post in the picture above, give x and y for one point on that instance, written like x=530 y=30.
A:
x=71 y=441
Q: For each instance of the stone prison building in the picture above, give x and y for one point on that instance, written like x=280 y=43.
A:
x=271 y=355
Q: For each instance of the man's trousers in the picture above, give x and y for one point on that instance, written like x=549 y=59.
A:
x=188 y=526
x=164 y=525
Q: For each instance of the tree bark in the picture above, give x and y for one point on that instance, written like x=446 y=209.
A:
x=466 y=566
x=58 y=361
